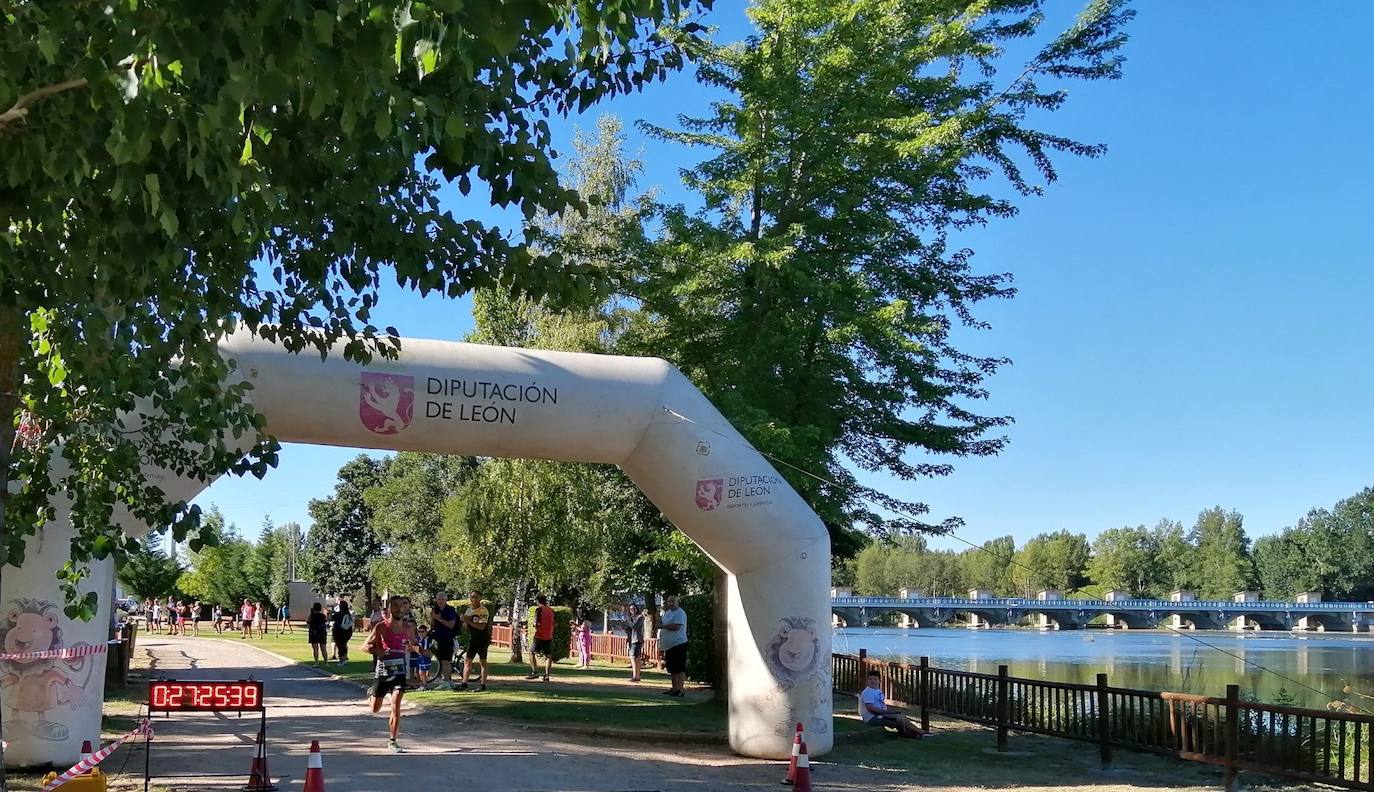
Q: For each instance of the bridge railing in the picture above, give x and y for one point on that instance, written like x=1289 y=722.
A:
x=1024 y=603
x=1324 y=746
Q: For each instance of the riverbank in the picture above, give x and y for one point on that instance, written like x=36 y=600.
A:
x=1311 y=670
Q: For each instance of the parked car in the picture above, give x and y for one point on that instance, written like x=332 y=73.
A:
x=130 y=605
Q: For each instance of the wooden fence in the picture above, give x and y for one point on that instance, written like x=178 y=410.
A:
x=605 y=646
x=1324 y=746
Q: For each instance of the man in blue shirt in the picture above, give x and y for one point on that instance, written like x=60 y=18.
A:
x=875 y=712
x=443 y=622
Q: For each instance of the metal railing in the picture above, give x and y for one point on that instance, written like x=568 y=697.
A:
x=605 y=646
x=1024 y=603
x=1323 y=746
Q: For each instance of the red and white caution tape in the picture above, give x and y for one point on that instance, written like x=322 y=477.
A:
x=71 y=651
x=84 y=766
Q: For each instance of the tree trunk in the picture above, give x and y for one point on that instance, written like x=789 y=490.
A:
x=720 y=635
x=651 y=620
x=517 y=611
x=9 y=405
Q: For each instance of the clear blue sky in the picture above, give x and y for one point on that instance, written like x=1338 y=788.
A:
x=1194 y=322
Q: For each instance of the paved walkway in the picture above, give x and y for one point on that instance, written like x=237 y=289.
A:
x=442 y=753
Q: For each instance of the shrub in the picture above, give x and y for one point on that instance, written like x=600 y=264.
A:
x=701 y=640
x=562 y=630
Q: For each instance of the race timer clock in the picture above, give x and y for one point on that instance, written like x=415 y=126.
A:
x=166 y=695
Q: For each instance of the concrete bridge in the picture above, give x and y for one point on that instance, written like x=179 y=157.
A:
x=1052 y=611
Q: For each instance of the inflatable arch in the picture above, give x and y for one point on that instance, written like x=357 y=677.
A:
x=443 y=397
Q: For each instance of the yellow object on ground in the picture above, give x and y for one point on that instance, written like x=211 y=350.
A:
x=93 y=781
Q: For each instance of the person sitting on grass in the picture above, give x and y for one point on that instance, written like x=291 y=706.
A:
x=875 y=712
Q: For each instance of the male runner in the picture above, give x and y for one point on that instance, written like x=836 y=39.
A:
x=478 y=620
x=390 y=643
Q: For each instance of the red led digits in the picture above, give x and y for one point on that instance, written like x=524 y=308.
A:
x=169 y=696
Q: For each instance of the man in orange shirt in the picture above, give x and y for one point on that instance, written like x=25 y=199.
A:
x=543 y=637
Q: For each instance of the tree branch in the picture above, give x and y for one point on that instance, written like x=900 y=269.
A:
x=20 y=108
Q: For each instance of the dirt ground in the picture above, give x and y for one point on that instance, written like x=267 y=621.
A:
x=443 y=752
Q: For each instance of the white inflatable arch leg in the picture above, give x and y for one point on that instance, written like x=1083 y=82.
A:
x=638 y=413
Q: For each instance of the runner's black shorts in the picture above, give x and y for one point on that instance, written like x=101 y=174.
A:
x=443 y=649
x=384 y=685
x=543 y=646
x=477 y=647
x=676 y=659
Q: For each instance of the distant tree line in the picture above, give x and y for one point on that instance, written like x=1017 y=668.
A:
x=224 y=569
x=1330 y=551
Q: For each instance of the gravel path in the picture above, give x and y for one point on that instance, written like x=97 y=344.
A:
x=442 y=753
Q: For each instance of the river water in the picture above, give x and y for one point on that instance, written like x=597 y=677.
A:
x=1339 y=667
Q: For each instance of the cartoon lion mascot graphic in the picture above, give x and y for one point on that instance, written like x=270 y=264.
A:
x=35 y=687
x=794 y=658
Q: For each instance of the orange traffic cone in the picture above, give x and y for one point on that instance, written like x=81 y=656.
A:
x=792 y=763
x=314 y=769
x=259 y=780
x=803 y=780
x=85 y=750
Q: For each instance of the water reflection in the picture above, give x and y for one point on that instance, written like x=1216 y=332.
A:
x=1146 y=659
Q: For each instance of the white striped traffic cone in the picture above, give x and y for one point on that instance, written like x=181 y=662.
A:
x=259 y=780
x=796 y=751
x=314 y=769
x=803 y=780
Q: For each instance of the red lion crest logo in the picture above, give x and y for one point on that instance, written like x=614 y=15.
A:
x=709 y=493
x=386 y=402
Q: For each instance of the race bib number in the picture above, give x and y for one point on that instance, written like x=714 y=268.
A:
x=392 y=666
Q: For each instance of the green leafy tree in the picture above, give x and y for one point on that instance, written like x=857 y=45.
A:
x=167 y=170
x=814 y=297
x=407 y=508
x=1126 y=559
x=147 y=571
x=989 y=566
x=1329 y=551
x=1224 y=564
x=218 y=569
x=1056 y=560
x=341 y=544
x=1176 y=566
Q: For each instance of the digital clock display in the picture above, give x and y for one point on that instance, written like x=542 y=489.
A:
x=170 y=696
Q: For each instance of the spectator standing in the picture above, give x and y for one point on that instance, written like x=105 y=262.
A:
x=342 y=631
x=543 y=638
x=246 y=614
x=583 y=630
x=284 y=620
x=443 y=632
x=260 y=619
x=634 y=639
x=178 y=618
x=423 y=654
x=672 y=641
x=478 y=621
x=316 y=631
x=155 y=614
x=195 y=619
x=377 y=615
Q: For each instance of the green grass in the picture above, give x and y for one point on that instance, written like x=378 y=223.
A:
x=959 y=755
